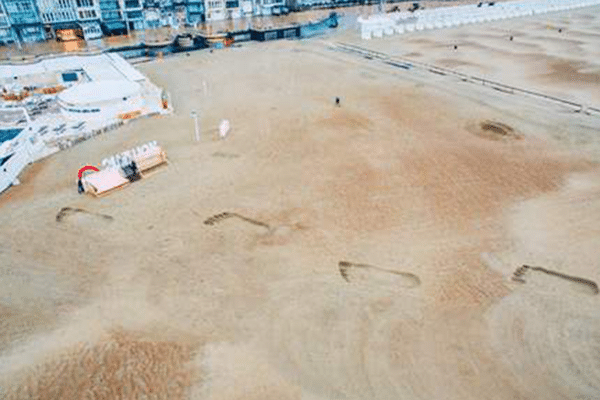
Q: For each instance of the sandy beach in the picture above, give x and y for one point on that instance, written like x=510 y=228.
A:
x=367 y=250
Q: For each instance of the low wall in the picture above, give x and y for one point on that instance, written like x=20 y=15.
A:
x=9 y=172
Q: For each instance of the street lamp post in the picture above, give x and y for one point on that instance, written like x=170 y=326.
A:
x=194 y=115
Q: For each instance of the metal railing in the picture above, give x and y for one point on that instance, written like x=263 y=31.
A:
x=406 y=64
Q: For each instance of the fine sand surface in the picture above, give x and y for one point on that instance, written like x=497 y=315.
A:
x=554 y=52
x=357 y=252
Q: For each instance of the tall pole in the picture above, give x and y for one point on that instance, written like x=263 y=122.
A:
x=18 y=40
x=27 y=117
x=194 y=115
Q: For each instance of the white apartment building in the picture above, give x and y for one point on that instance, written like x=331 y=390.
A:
x=229 y=9
x=71 y=16
x=268 y=7
x=133 y=13
x=87 y=10
x=54 y=11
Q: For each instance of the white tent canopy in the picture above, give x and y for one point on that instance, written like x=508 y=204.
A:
x=445 y=17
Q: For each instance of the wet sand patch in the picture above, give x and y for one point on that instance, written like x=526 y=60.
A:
x=572 y=73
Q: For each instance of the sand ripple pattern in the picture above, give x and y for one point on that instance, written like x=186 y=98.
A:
x=550 y=342
x=121 y=366
x=331 y=338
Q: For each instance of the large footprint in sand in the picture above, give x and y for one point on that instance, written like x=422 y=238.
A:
x=546 y=332
x=541 y=275
x=217 y=218
x=376 y=276
x=70 y=212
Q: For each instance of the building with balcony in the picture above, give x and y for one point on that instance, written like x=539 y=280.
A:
x=194 y=11
x=133 y=13
x=25 y=19
x=268 y=7
x=71 y=19
x=111 y=17
x=32 y=20
x=57 y=11
x=6 y=32
x=215 y=10
x=89 y=15
x=88 y=10
x=59 y=18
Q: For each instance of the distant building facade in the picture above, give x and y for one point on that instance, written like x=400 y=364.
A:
x=25 y=20
x=36 y=20
x=268 y=7
x=6 y=32
x=194 y=11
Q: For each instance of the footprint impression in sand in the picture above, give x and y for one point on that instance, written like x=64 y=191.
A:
x=68 y=212
x=227 y=215
x=543 y=275
x=381 y=277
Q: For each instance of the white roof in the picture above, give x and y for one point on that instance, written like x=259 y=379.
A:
x=105 y=180
x=99 y=91
x=8 y=71
x=97 y=67
x=125 y=68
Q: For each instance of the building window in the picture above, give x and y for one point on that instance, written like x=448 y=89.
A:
x=232 y=4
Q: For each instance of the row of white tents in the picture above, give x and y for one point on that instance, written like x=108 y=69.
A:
x=447 y=17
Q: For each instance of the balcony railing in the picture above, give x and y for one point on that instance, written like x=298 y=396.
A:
x=111 y=15
x=25 y=18
x=135 y=15
x=132 y=4
x=109 y=5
